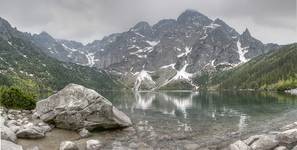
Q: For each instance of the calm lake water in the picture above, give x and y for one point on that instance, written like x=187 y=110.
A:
x=185 y=120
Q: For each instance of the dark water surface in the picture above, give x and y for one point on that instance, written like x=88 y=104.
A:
x=185 y=120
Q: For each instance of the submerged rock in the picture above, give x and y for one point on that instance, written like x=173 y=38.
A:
x=7 y=145
x=76 y=107
x=68 y=145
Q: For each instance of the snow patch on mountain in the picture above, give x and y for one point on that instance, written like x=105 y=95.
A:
x=141 y=76
x=9 y=43
x=242 y=51
x=91 y=59
x=68 y=48
x=168 y=66
x=187 y=51
x=153 y=43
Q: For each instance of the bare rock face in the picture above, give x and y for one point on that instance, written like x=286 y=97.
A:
x=76 y=107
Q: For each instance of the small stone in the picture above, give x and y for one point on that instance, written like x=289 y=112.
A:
x=27 y=111
x=68 y=145
x=84 y=133
x=93 y=145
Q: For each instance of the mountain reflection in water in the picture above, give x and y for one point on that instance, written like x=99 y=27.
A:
x=205 y=115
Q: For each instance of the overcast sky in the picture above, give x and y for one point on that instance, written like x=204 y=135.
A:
x=86 y=20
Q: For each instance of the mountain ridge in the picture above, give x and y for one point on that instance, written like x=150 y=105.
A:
x=193 y=43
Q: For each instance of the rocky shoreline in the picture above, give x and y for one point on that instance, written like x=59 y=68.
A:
x=284 y=139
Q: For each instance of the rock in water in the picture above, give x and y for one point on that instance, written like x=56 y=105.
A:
x=68 y=145
x=76 y=107
x=93 y=145
x=7 y=145
x=84 y=133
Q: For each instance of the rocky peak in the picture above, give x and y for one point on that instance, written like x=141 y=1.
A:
x=246 y=33
x=143 y=28
x=5 y=29
x=226 y=27
x=193 y=17
x=44 y=37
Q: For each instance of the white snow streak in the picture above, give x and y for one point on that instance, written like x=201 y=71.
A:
x=141 y=76
x=242 y=52
x=153 y=43
x=168 y=66
x=91 y=59
x=187 y=51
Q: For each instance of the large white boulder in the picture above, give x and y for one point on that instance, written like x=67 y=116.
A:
x=76 y=107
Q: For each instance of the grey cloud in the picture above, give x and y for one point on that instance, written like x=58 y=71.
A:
x=87 y=20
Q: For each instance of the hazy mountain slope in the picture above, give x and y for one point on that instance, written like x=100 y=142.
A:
x=24 y=64
x=274 y=71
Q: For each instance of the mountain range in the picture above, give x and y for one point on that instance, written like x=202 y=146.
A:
x=23 y=64
x=167 y=55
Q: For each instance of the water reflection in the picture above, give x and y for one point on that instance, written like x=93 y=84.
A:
x=204 y=113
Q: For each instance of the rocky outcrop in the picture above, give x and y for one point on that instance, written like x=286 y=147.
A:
x=284 y=139
x=76 y=107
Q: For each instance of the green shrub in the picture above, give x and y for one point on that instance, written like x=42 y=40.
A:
x=17 y=99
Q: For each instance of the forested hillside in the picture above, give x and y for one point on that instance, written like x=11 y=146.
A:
x=273 y=71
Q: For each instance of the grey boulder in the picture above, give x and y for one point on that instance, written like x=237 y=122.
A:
x=76 y=107
x=239 y=145
x=30 y=131
x=262 y=142
x=7 y=134
x=7 y=145
x=288 y=136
